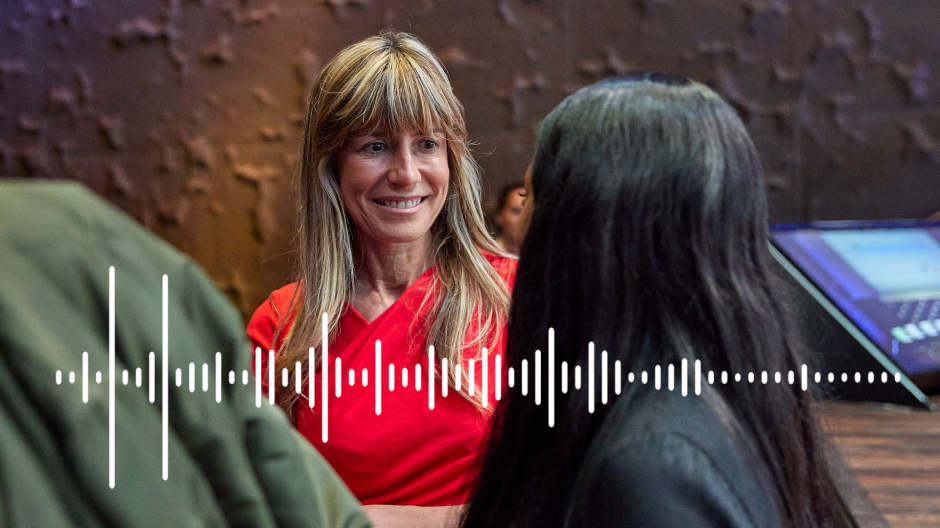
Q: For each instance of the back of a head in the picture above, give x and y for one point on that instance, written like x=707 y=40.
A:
x=653 y=171
x=648 y=238
x=661 y=190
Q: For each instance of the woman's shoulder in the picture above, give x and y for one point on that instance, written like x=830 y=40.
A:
x=504 y=266
x=281 y=298
x=267 y=318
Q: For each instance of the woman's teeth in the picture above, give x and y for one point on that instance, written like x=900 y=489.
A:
x=408 y=204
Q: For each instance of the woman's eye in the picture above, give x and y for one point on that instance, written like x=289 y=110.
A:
x=428 y=144
x=375 y=147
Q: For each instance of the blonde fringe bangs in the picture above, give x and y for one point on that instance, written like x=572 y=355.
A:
x=397 y=92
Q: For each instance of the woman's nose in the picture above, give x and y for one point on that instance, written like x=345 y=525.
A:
x=403 y=171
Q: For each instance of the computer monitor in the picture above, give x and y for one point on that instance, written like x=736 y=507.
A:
x=878 y=286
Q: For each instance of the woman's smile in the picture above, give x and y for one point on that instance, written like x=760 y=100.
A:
x=401 y=205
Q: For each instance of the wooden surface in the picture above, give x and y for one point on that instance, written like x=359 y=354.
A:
x=895 y=455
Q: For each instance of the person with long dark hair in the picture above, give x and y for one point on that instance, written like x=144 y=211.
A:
x=647 y=240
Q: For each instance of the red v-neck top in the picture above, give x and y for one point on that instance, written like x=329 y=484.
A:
x=408 y=454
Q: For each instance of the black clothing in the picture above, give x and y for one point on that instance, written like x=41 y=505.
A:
x=668 y=461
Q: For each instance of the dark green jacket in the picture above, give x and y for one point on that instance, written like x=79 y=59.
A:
x=230 y=463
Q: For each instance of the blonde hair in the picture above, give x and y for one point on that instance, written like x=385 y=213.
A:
x=390 y=82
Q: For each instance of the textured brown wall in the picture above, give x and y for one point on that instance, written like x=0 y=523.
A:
x=187 y=113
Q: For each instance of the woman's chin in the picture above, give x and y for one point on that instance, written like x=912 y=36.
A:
x=399 y=237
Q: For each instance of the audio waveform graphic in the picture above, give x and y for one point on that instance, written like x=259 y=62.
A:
x=565 y=382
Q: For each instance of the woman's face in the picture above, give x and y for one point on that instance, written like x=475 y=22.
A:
x=393 y=184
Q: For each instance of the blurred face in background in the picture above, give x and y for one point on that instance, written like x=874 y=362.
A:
x=525 y=218
x=507 y=220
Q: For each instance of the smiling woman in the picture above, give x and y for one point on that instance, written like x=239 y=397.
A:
x=392 y=247
x=394 y=184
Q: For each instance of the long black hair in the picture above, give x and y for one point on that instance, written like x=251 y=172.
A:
x=648 y=237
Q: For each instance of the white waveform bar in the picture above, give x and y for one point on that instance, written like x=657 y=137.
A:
x=339 y=377
x=617 y=377
x=591 y=377
x=538 y=377
x=378 y=378
x=564 y=377
x=471 y=381
x=445 y=377
x=324 y=332
x=499 y=377
x=431 y=377
x=165 y=380
x=485 y=395
x=258 y=376
x=525 y=377
x=111 y=377
x=311 y=384
x=218 y=377
x=551 y=377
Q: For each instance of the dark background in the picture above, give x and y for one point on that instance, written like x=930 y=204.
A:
x=187 y=113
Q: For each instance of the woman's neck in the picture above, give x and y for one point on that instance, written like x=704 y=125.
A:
x=385 y=270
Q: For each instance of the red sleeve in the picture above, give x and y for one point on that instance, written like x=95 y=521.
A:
x=505 y=267
x=264 y=325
